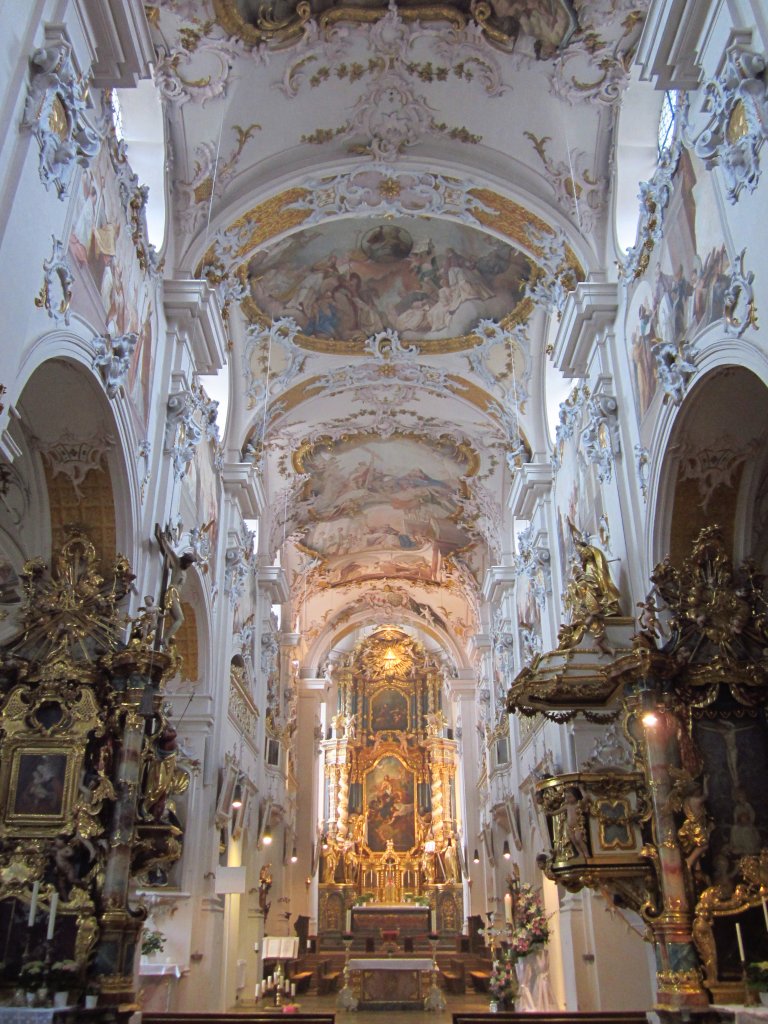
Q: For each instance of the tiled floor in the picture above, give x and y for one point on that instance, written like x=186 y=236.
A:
x=473 y=1001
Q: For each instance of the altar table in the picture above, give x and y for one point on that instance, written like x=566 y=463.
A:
x=391 y=983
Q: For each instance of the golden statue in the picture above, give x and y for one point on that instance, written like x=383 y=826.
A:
x=591 y=595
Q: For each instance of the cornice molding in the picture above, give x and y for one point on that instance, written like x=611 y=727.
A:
x=589 y=309
x=532 y=482
x=193 y=308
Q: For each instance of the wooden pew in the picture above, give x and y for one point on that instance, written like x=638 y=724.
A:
x=237 y=1018
x=553 y=1017
x=455 y=977
x=479 y=980
x=327 y=978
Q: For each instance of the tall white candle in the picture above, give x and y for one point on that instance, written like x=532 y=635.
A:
x=740 y=942
x=508 y=908
x=257 y=993
x=52 y=915
x=433 y=920
x=348 y=921
x=765 y=913
x=293 y=990
x=36 y=893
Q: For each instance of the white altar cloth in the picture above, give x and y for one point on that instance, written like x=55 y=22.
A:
x=535 y=992
x=31 y=1014
x=741 y=1014
x=391 y=963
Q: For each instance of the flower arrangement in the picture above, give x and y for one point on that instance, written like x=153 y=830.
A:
x=64 y=976
x=757 y=975
x=152 y=942
x=32 y=975
x=503 y=981
x=530 y=929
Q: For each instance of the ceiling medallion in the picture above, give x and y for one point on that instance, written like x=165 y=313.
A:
x=508 y=23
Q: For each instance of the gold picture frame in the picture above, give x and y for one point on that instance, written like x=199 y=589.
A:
x=38 y=786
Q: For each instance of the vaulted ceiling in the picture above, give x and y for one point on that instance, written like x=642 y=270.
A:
x=391 y=202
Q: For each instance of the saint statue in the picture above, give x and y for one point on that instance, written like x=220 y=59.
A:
x=591 y=595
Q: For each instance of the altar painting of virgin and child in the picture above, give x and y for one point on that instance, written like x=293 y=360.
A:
x=390 y=805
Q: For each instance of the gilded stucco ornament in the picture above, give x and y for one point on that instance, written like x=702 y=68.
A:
x=55 y=112
x=55 y=296
x=577 y=190
x=511 y=28
x=213 y=56
x=211 y=175
x=384 y=189
x=554 y=274
x=735 y=112
x=258 y=345
x=654 y=199
x=740 y=309
x=391 y=115
x=133 y=196
x=600 y=437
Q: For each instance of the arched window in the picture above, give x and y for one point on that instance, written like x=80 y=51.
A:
x=138 y=118
x=668 y=118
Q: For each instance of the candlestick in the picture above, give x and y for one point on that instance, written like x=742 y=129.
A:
x=52 y=915
x=508 y=908
x=740 y=942
x=36 y=892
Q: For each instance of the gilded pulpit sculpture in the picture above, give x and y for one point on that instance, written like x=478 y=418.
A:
x=89 y=769
x=676 y=830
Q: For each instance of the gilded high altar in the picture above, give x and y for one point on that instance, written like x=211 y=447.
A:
x=390 y=830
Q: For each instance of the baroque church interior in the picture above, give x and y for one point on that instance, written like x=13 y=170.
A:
x=384 y=501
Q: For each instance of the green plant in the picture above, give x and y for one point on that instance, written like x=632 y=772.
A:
x=503 y=981
x=63 y=976
x=757 y=975
x=32 y=975
x=152 y=942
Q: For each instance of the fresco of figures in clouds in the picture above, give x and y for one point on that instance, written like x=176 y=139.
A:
x=109 y=285
x=384 y=508
x=427 y=280
x=683 y=290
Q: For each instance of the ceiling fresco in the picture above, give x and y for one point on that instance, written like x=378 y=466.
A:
x=426 y=279
x=546 y=26
x=392 y=202
x=384 y=508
